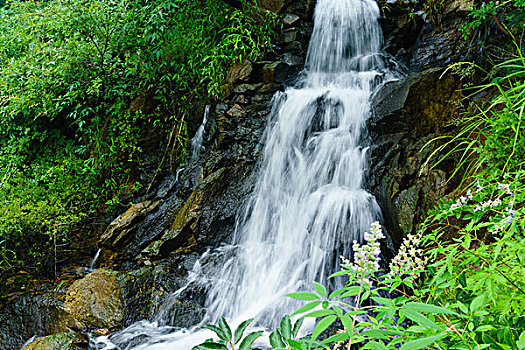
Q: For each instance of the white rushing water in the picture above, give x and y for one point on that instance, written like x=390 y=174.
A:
x=198 y=138
x=309 y=203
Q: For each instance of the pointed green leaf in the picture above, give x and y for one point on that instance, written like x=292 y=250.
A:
x=286 y=327
x=297 y=326
x=352 y=291
x=240 y=330
x=249 y=339
x=432 y=309
x=307 y=307
x=303 y=296
x=320 y=289
x=321 y=326
x=347 y=322
x=420 y=319
x=297 y=345
x=521 y=341
x=220 y=333
x=336 y=293
x=336 y=338
x=210 y=346
x=420 y=343
x=225 y=328
x=374 y=345
x=276 y=340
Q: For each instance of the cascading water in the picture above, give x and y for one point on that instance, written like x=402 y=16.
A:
x=309 y=203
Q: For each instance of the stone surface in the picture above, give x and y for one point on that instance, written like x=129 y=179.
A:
x=117 y=233
x=240 y=71
x=408 y=114
x=289 y=19
x=236 y=111
x=96 y=300
x=28 y=315
x=61 y=341
x=271 y=5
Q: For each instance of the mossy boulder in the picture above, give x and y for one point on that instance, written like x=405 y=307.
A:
x=96 y=300
x=60 y=341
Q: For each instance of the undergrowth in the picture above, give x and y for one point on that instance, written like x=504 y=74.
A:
x=84 y=84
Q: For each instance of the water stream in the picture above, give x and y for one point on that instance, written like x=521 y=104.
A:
x=309 y=203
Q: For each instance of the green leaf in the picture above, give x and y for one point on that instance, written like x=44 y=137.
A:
x=297 y=345
x=307 y=307
x=286 y=327
x=432 y=309
x=320 y=289
x=321 y=326
x=352 y=291
x=336 y=338
x=463 y=280
x=521 y=341
x=249 y=339
x=240 y=330
x=297 y=326
x=319 y=313
x=375 y=346
x=421 y=343
x=220 y=333
x=336 y=293
x=420 y=319
x=477 y=303
x=225 y=328
x=303 y=296
x=347 y=322
x=276 y=340
x=210 y=346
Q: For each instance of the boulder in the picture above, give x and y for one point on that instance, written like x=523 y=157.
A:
x=240 y=71
x=96 y=300
x=60 y=341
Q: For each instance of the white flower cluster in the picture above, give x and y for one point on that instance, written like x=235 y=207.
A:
x=409 y=260
x=366 y=257
x=488 y=204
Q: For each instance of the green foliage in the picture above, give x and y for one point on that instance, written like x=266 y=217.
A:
x=227 y=340
x=511 y=11
x=83 y=83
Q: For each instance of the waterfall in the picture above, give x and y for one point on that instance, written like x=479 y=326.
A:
x=196 y=141
x=309 y=203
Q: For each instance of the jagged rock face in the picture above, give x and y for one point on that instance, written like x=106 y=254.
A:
x=408 y=114
x=33 y=314
x=60 y=341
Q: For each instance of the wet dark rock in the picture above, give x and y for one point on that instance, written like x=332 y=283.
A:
x=96 y=300
x=246 y=88
x=292 y=60
x=31 y=315
x=272 y=5
x=289 y=19
x=419 y=41
x=119 y=231
x=408 y=114
x=236 y=111
x=60 y=341
x=240 y=71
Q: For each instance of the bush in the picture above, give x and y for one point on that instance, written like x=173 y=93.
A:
x=69 y=71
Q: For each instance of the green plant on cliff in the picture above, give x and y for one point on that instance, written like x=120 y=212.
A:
x=85 y=85
x=508 y=15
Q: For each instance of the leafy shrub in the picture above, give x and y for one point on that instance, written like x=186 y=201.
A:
x=69 y=72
